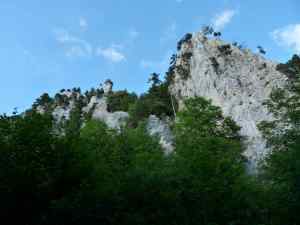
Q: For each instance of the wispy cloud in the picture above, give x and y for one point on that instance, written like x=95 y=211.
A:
x=113 y=54
x=288 y=36
x=83 y=23
x=223 y=18
x=74 y=46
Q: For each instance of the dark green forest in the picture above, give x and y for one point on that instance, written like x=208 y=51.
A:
x=95 y=175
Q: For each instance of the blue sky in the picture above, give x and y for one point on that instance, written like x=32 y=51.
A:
x=50 y=45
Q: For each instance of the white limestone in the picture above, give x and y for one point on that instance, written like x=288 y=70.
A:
x=161 y=129
x=240 y=85
x=113 y=120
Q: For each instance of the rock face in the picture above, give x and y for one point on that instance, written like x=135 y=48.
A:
x=92 y=105
x=233 y=78
x=161 y=129
x=98 y=107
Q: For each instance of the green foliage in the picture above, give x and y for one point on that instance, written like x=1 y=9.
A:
x=281 y=172
x=170 y=74
x=120 y=101
x=157 y=101
x=217 y=34
x=154 y=79
x=91 y=174
x=261 y=50
x=292 y=68
x=93 y=92
x=36 y=167
x=119 y=163
x=207 y=30
x=186 y=39
x=73 y=124
x=45 y=101
x=209 y=153
x=201 y=117
x=103 y=154
x=183 y=69
x=225 y=50
x=61 y=100
x=95 y=175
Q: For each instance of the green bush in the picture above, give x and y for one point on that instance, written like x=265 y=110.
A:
x=281 y=171
x=157 y=101
x=120 y=101
x=90 y=174
x=209 y=158
x=36 y=167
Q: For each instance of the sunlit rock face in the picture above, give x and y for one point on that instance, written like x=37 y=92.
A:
x=95 y=106
x=62 y=111
x=161 y=129
x=235 y=79
x=99 y=112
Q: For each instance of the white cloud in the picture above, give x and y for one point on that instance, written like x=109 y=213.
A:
x=83 y=23
x=112 y=54
x=74 y=46
x=288 y=36
x=222 y=19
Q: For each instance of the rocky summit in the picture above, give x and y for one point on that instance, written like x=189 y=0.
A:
x=231 y=76
x=234 y=78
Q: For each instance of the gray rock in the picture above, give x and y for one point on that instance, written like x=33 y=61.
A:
x=161 y=129
x=237 y=80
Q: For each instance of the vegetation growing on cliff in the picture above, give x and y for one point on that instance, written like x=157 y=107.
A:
x=120 y=101
x=98 y=175
x=90 y=174
x=157 y=101
x=282 y=168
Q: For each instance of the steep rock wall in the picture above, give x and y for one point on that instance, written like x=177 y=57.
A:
x=235 y=79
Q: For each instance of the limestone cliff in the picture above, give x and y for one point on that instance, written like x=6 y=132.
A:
x=92 y=105
x=234 y=78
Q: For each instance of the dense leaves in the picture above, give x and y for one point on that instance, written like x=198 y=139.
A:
x=209 y=153
x=292 y=68
x=157 y=101
x=90 y=174
x=101 y=176
x=282 y=168
x=36 y=167
x=120 y=101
